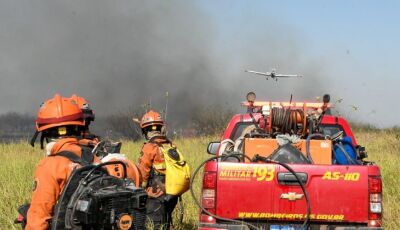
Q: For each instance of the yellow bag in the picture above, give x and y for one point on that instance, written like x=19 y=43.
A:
x=177 y=171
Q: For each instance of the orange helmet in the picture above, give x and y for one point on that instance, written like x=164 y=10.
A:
x=58 y=111
x=151 y=118
x=84 y=105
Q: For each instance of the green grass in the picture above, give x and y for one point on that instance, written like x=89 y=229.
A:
x=18 y=161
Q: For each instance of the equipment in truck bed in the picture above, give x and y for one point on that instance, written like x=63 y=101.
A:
x=321 y=150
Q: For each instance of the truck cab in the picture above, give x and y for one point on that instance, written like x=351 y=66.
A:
x=246 y=193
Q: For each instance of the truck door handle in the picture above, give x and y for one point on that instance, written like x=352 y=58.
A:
x=287 y=178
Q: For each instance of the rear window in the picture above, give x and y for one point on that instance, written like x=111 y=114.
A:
x=327 y=130
x=331 y=130
x=239 y=129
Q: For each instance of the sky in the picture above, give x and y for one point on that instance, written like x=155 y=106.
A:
x=355 y=42
x=121 y=54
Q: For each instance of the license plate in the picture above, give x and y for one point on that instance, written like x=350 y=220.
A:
x=285 y=227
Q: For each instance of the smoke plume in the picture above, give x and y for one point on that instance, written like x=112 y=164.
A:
x=123 y=54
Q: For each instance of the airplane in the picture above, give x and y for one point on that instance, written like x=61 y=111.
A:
x=272 y=74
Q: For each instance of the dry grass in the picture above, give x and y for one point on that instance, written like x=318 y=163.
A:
x=18 y=161
x=384 y=148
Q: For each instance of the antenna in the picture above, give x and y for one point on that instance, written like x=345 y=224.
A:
x=166 y=106
x=166 y=112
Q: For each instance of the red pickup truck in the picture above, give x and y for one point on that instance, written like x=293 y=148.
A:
x=243 y=194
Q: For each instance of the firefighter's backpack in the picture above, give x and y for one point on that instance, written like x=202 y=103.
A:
x=93 y=199
x=177 y=170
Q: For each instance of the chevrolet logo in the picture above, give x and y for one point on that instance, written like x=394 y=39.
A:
x=292 y=196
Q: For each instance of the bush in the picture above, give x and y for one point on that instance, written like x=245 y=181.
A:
x=211 y=120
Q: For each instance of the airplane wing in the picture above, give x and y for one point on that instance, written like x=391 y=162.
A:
x=288 y=75
x=267 y=74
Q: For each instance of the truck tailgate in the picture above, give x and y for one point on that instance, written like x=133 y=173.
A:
x=268 y=191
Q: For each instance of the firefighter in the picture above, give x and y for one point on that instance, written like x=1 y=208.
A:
x=152 y=167
x=59 y=121
x=89 y=140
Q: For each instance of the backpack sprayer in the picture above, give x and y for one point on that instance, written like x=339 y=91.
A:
x=94 y=199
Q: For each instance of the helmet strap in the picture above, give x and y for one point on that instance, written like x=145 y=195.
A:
x=33 y=139
x=145 y=136
x=41 y=141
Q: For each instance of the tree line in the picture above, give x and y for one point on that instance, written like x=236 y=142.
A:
x=208 y=120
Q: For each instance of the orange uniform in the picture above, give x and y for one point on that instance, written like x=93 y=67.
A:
x=51 y=175
x=152 y=157
x=152 y=167
x=88 y=142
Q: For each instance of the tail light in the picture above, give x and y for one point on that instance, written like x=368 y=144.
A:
x=375 y=201
x=210 y=180
x=208 y=196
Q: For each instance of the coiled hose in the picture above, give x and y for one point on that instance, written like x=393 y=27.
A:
x=305 y=224
x=286 y=120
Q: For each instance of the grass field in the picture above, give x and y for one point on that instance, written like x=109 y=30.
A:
x=18 y=161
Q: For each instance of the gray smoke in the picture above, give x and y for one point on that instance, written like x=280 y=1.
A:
x=123 y=54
